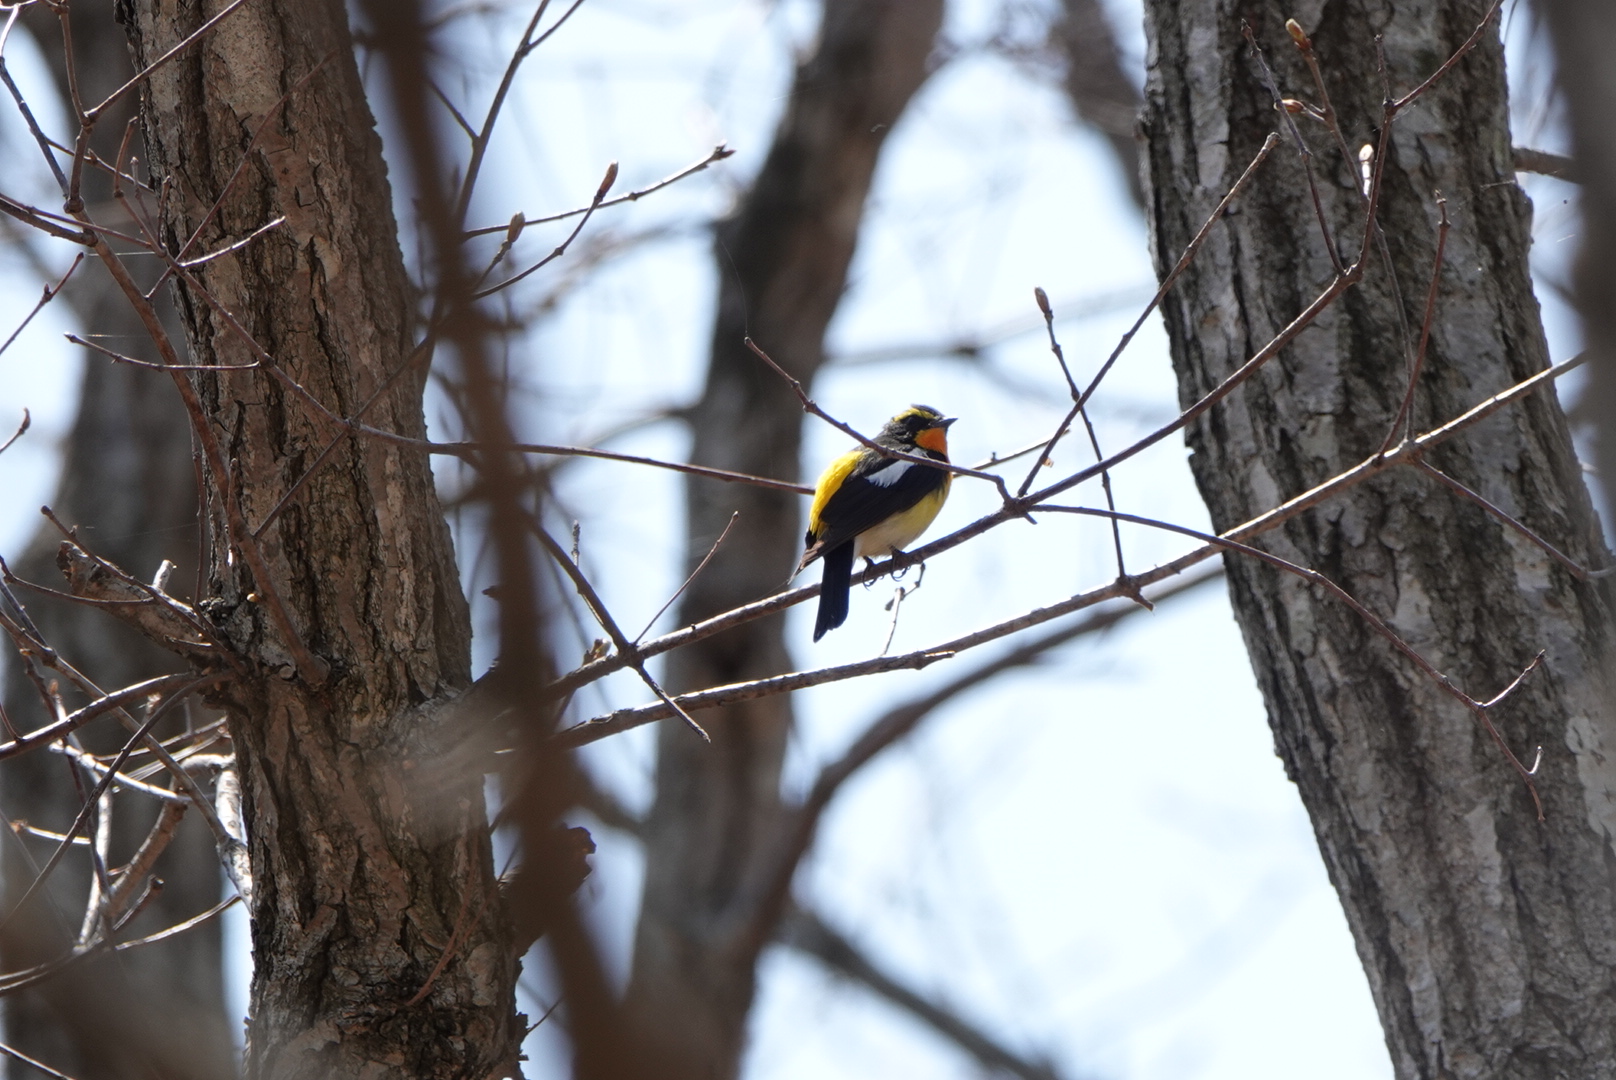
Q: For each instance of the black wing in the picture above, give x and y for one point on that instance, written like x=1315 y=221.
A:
x=862 y=502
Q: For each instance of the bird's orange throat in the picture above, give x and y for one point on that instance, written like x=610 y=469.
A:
x=933 y=439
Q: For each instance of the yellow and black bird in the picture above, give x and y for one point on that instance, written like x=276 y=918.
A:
x=867 y=505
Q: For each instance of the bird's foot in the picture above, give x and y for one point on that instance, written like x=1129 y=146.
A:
x=901 y=563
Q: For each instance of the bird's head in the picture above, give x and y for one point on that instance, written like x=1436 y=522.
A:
x=917 y=426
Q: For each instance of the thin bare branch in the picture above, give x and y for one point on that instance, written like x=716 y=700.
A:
x=561 y=248
x=809 y=406
x=705 y=559
x=597 y=607
x=719 y=153
x=22 y=428
x=600 y=727
x=129 y=695
x=1398 y=422
x=89 y=805
x=1458 y=54
x=1375 y=622
x=1302 y=149
x=799 y=828
x=90 y=115
x=1173 y=275
x=806 y=932
x=230 y=249
x=596 y=669
x=1582 y=573
x=12 y=1052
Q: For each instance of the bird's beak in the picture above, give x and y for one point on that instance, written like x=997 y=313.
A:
x=946 y=423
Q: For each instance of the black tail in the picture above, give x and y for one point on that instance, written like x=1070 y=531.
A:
x=833 y=589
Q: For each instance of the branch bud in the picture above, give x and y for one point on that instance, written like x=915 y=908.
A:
x=606 y=184
x=1298 y=35
x=1043 y=302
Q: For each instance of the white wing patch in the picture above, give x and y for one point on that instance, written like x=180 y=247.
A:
x=889 y=474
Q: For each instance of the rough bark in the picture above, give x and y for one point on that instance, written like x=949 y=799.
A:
x=783 y=260
x=1489 y=939
x=127 y=482
x=367 y=863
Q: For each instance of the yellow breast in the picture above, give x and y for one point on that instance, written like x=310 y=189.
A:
x=900 y=530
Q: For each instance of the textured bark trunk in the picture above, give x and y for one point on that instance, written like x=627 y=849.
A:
x=1489 y=939
x=368 y=864
x=127 y=481
x=783 y=260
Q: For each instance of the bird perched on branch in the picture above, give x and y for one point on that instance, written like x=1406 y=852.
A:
x=867 y=504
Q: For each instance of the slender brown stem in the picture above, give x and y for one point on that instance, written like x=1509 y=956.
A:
x=1580 y=572
x=1172 y=277
x=719 y=153
x=809 y=406
x=1375 y=622
x=1458 y=54
x=49 y=294
x=1403 y=417
x=597 y=607
x=1264 y=522
x=1302 y=149
x=694 y=574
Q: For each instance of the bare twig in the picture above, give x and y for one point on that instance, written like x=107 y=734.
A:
x=141 y=76
x=597 y=607
x=798 y=829
x=46 y=297
x=12 y=1052
x=1542 y=162
x=808 y=933
x=1302 y=148
x=705 y=559
x=89 y=806
x=809 y=406
x=1477 y=708
x=22 y=428
x=561 y=248
x=596 y=669
x=129 y=695
x=1580 y=572
x=1082 y=411
x=719 y=153
x=600 y=727
x=1178 y=269
x=1398 y=422
x=1458 y=54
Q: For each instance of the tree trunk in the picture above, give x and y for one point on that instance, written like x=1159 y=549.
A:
x=1489 y=938
x=127 y=482
x=783 y=260
x=367 y=863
